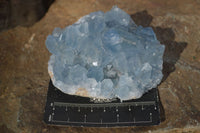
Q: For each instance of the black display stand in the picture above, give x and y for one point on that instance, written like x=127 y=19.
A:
x=70 y=110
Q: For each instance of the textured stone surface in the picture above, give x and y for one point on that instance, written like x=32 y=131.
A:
x=24 y=77
x=107 y=54
x=20 y=12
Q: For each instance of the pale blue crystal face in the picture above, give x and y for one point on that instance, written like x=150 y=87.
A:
x=107 y=54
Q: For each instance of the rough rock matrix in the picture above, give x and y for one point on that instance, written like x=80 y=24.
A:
x=105 y=55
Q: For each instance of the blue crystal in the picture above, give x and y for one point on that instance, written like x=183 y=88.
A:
x=107 y=55
x=96 y=73
x=107 y=88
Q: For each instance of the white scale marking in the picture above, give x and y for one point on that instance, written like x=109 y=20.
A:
x=101 y=121
x=129 y=108
x=117 y=117
x=85 y=117
x=79 y=109
x=49 y=117
x=151 y=117
x=117 y=109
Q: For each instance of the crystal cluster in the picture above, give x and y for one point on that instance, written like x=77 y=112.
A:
x=105 y=55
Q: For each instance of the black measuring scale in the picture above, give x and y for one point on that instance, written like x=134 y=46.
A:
x=70 y=110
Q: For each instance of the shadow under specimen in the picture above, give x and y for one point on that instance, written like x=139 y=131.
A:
x=166 y=36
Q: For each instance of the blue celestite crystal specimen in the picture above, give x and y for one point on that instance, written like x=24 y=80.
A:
x=105 y=55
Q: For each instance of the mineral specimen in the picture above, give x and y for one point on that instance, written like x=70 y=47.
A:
x=105 y=55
